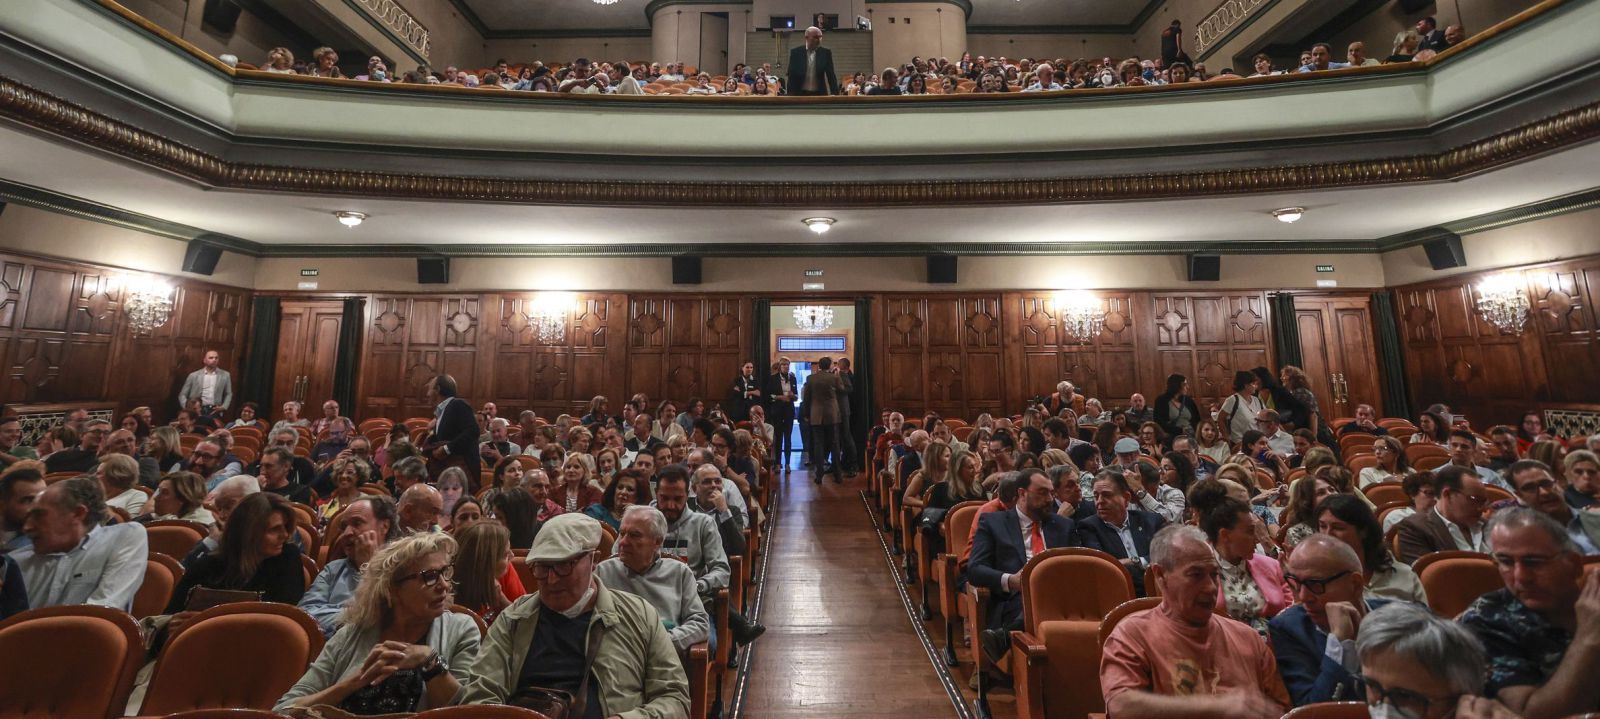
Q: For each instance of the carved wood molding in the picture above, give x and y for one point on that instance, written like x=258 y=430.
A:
x=54 y=115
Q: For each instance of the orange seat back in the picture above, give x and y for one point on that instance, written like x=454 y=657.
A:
x=1072 y=667
x=1122 y=611
x=161 y=576
x=1330 y=710
x=1385 y=492
x=960 y=521
x=1073 y=583
x=199 y=668
x=69 y=662
x=175 y=541
x=1454 y=579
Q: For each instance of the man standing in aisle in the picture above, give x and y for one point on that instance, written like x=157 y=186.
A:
x=780 y=409
x=209 y=384
x=811 y=67
x=823 y=389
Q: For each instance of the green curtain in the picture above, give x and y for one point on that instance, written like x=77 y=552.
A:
x=1391 y=358
x=761 y=342
x=863 y=405
x=1285 y=329
x=349 y=362
x=261 y=356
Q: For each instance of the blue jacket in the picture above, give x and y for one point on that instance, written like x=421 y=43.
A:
x=1309 y=673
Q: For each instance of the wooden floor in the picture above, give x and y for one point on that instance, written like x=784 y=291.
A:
x=839 y=642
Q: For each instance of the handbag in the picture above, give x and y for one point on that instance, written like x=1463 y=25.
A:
x=560 y=703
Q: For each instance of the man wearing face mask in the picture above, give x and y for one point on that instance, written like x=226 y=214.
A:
x=1419 y=666
x=546 y=639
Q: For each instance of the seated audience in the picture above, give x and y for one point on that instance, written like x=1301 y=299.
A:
x=1314 y=639
x=276 y=463
x=1350 y=520
x=1366 y=423
x=400 y=648
x=576 y=492
x=348 y=476
x=1503 y=447
x=1418 y=487
x=639 y=569
x=1456 y=521
x=20 y=485
x=12 y=450
x=1535 y=487
x=467 y=512
x=117 y=474
x=1542 y=630
x=74 y=557
x=181 y=495
x=1581 y=469
x=419 y=509
x=711 y=498
x=1463 y=446
x=519 y=513
x=1181 y=658
x=485 y=581
x=1299 y=518
x=1391 y=467
x=1004 y=543
x=85 y=455
x=539 y=641
x=1119 y=530
x=254 y=556
x=1416 y=664
x=1251 y=589
x=369 y=524
x=407 y=472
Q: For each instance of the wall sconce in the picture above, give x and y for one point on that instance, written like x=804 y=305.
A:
x=1081 y=314
x=549 y=316
x=1502 y=303
x=147 y=304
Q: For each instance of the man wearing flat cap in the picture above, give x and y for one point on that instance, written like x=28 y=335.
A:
x=540 y=640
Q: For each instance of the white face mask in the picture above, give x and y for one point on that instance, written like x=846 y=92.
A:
x=581 y=605
x=1386 y=710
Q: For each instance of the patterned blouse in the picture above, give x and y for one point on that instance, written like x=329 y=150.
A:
x=1298 y=532
x=1523 y=648
x=1245 y=602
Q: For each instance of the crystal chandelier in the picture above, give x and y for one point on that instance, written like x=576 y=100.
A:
x=813 y=318
x=147 y=304
x=549 y=317
x=605 y=2
x=1082 y=315
x=1502 y=302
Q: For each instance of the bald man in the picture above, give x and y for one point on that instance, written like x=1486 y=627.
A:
x=811 y=67
x=420 y=507
x=1314 y=640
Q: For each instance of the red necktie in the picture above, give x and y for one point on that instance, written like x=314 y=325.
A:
x=1037 y=539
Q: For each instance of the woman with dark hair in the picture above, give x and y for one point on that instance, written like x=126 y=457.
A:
x=692 y=412
x=1299 y=518
x=1119 y=420
x=254 y=555
x=1174 y=410
x=250 y=416
x=1431 y=429
x=632 y=486
x=1254 y=445
x=1346 y=518
x=517 y=511
x=467 y=512
x=1105 y=438
x=1291 y=411
x=141 y=429
x=1251 y=586
x=1238 y=412
x=1151 y=439
x=485 y=581
x=1299 y=385
x=1530 y=430
x=1177 y=471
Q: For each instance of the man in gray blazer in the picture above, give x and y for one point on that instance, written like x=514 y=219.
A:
x=824 y=389
x=209 y=384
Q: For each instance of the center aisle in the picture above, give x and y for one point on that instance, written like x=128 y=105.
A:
x=839 y=642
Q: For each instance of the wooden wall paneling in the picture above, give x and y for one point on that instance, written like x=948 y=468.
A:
x=1044 y=353
x=1336 y=338
x=559 y=378
x=945 y=354
x=1206 y=336
x=1564 y=318
x=682 y=347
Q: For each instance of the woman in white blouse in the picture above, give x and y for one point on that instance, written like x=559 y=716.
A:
x=1211 y=442
x=1391 y=467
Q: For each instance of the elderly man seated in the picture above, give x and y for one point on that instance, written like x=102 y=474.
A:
x=221 y=502
x=74 y=559
x=369 y=523
x=1415 y=664
x=638 y=568
x=1182 y=658
x=540 y=640
x=1314 y=640
x=1542 y=630
x=419 y=509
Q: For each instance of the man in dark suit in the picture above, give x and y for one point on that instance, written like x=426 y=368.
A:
x=847 y=442
x=1432 y=36
x=811 y=67
x=1455 y=522
x=1116 y=529
x=1330 y=593
x=822 y=394
x=780 y=409
x=454 y=440
x=1004 y=543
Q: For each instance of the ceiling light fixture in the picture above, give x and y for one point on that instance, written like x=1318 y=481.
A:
x=1289 y=214
x=350 y=219
x=147 y=304
x=813 y=319
x=605 y=2
x=819 y=225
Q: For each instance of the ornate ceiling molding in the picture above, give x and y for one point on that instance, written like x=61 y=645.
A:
x=54 y=115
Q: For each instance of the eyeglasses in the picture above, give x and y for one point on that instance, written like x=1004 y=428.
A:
x=1316 y=585
x=1415 y=703
x=541 y=570
x=431 y=577
x=1542 y=485
x=1531 y=563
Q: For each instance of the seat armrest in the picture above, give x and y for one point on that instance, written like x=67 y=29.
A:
x=1028 y=662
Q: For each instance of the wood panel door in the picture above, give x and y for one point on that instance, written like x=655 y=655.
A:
x=1339 y=354
x=308 y=351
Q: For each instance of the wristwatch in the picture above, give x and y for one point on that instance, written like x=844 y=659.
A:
x=432 y=668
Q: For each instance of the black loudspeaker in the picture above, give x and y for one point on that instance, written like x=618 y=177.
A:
x=942 y=269
x=433 y=270
x=1411 y=6
x=1446 y=252
x=1205 y=268
x=220 y=15
x=686 y=270
x=201 y=257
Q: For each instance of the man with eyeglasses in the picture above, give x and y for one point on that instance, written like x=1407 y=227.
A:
x=206 y=460
x=1417 y=665
x=1536 y=488
x=638 y=568
x=1456 y=521
x=1314 y=640
x=540 y=641
x=1280 y=441
x=83 y=457
x=368 y=523
x=1542 y=631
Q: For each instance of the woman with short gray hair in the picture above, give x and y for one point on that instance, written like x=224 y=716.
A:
x=1415 y=664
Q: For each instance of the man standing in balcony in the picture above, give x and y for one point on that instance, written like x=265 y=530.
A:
x=209 y=384
x=811 y=67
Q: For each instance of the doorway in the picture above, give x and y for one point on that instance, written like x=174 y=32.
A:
x=308 y=352
x=1339 y=353
x=804 y=333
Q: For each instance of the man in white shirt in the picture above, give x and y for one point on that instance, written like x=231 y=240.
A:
x=1357 y=55
x=1046 y=79
x=209 y=384
x=583 y=81
x=1281 y=442
x=624 y=80
x=73 y=559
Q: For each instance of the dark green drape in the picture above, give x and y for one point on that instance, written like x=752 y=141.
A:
x=1391 y=360
x=1285 y=329
x=344 y=371
x=761 y=342
x=261 y=356
x=863 y=404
